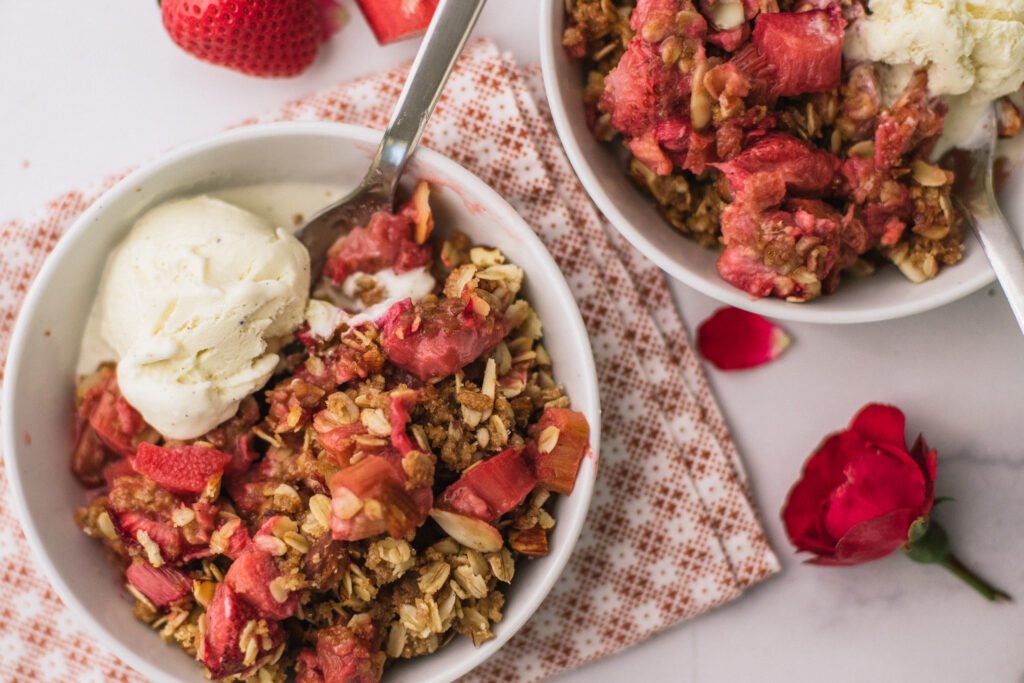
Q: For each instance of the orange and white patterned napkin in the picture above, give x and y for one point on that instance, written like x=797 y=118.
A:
x=672 y=531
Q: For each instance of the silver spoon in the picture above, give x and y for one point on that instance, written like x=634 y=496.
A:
x=450 y=28
x=975 y=195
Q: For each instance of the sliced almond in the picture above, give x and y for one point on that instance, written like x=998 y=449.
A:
x=470 y=532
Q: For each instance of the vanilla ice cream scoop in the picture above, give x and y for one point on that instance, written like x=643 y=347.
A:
x=969 y=47
x=194 y=303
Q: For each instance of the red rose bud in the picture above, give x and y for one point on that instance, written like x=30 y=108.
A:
x=863 y=494
x=733 y=339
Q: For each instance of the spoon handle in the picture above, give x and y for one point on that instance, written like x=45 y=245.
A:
x=1004 y=253
x=450 y=28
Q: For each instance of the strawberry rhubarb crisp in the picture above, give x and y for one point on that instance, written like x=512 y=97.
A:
x=752 y=133
x=369 y=502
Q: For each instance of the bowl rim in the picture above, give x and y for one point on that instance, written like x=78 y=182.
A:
x=552 y=12
x=471 y=186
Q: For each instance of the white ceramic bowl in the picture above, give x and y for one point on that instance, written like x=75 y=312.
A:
x=885 y=295
x=38 y=398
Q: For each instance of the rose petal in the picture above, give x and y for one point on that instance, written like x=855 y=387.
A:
x=881 y=424
x=871 y=540
x=734 y=339
x=823 y=472
x=876 y=484
x=928 y=459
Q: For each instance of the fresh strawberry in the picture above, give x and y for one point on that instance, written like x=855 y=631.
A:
x=250 y=577
x=492 y=488
x=562 y=437
x=270 y=38
x=182 y=469
x=226 y=618
x=162 y=586
x=393 y=20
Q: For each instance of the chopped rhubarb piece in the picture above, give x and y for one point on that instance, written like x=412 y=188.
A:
x=181 y=469
x=437 y=339
x=491 y=488
x=806 y=49
x=251 y=577
x=251 y=492
x=562 y=438
x=393 y=20
x=370 y=498
x=387 y=241
x=734 y=339
x=226 y=617
x=162 y=586
x=117 y=424
x=344 y=654
x=401 y=403
x=469 y=531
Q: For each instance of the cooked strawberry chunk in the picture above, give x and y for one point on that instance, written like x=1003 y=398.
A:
x=562 y=438
x=162 y=586
x=435 y=340
x=344 y=654
x=226 y=618
x=181 y=469
x=250 y=577
x=372 y=497
x=393 y=20
x=387 y=241
x=805 y=48
x=337 y=440
x=117 y=468
x=492 y=488
x=252 y=493
x=115 y=422
x=791 y=165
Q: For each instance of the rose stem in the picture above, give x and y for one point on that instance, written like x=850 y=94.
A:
x=990 y=592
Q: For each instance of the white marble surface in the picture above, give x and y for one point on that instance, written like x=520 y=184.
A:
x=91 y=87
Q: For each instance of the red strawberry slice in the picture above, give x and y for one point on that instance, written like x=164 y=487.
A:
x=491 y=488
x=370 y=498
x=387 y=241
x=806 y=49
x=437 y=340
x=344 y=654
x=271 y=38
x=734 y=339
x=392 y=20
x=250 y=576
x=162 y=586
x=562 y=437
x=181 y=469
x=226 y=618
